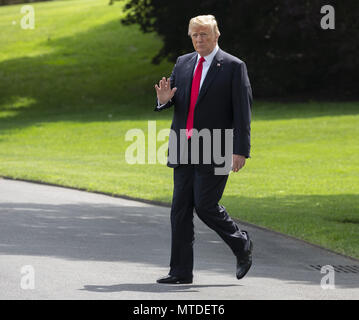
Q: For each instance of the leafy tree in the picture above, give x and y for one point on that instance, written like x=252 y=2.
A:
x=286 y=50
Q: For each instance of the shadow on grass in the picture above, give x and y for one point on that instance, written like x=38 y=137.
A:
x=106 y=70
x=85 y=77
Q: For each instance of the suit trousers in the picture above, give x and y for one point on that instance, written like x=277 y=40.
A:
x=196 y=187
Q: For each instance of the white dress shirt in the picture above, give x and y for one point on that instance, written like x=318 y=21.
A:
x=206 y=65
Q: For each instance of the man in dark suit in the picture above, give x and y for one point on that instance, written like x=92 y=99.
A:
x=210 y=90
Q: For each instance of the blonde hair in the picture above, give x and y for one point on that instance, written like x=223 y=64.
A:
x=205 y=20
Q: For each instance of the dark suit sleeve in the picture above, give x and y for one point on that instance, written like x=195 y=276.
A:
x=242 y=106
x=173 y=84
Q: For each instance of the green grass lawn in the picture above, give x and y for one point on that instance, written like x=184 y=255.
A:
x=71 y=88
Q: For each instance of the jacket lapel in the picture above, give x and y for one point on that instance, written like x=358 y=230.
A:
x=211 y=74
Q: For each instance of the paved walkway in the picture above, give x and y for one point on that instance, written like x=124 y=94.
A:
x=80 y=245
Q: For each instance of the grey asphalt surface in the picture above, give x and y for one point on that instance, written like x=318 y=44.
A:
x=83 y=245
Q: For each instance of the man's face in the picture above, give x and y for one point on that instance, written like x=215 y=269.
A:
x=204 y=39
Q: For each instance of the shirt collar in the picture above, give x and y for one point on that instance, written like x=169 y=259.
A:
x=209 y=57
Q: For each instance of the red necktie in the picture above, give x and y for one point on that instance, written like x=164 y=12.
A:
x=194 y=95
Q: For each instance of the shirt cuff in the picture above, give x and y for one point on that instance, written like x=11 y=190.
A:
x=159 y=106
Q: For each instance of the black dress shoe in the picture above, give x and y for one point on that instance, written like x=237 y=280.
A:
x=244 y=262
x=174 y=280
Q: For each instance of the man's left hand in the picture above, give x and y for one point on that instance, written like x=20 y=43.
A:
x=238 y=162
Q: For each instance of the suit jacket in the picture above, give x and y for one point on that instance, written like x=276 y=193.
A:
x=224 y=100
